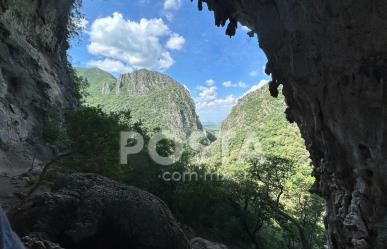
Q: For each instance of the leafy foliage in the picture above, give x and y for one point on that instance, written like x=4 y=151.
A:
x=55 y=132
x=260 y=197
x=95 y=139
x=81 y=84
x=258 y=144
x=74 y=15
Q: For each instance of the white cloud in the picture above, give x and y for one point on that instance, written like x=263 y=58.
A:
x=210 y=82
x=175 y=42
x=229 y=84
x=208 y=98
x=133 y=44
x=113 y=66
x=228 y=101
x=253 y=73
x=169 y=16
x=211 y=107
x=172 y=4
x=217 y=103
x=261 y=84
x=242 y=84
x=207 y=93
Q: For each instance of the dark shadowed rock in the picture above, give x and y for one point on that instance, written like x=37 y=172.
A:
x=200 y=243
x=90 y=211
x=331 y=58
x=34 y=80
x=34 y=242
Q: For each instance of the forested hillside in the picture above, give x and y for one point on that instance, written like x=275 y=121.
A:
x=259 y=148
x=249 y=190
x=154 y=98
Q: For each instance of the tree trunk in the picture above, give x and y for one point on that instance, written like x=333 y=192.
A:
x=301 y=232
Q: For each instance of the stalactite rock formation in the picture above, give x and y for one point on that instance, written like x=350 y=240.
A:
x=331 y=58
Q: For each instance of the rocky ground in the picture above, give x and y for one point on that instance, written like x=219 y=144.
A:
x=13 y=189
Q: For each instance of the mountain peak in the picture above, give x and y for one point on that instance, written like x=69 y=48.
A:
x=144 y=70
x=152 y=97
x=143 y=81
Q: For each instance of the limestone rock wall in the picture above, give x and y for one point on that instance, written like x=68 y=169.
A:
x=143 y=81
x=331 y=58
x=33 y=78
x=158 y=100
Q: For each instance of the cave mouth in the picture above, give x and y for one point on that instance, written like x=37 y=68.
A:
x=251 y=115
x=231 y=25
x=329 y=57
x=251 y=203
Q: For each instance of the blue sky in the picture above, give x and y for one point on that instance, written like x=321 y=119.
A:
x=173 y=37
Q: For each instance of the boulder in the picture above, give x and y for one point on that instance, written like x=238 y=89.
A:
x=90 y=211
x=200 y=243
x=34 y=242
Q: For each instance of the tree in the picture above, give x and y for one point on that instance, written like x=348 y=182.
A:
x=272 y=175
x=248 y=198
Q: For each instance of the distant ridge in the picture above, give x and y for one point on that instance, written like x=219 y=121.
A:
x=154 y=98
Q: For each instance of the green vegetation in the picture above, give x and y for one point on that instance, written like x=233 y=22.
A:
x=55 y=131
x=257 y=142
x=94 y=136
x=81 y=84
x=97 y=79
x=75 y=14
x=252 y=191
x=161 y=100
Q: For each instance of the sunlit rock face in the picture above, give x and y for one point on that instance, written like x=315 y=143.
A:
x=331 y=58
x=33 y=79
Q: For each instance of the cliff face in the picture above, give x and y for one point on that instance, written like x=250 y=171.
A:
x=142 y=82
x=331 y=58
x=33 y=78
x=154 y=98
x=160 y=101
